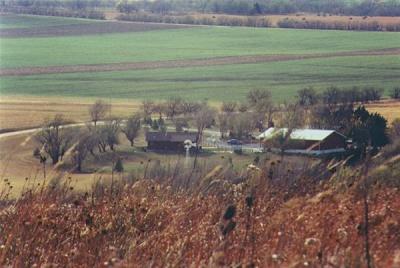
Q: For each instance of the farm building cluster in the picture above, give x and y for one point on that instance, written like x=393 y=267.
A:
x=298 y=141
x=306 y=141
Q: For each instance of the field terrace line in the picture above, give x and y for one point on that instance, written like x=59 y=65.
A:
x=229 y=60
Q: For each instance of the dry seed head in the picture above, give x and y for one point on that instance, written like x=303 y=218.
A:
x=229 y=212
x=228 y=228
x=311 y=241
x=249 y=201
x=275 y=257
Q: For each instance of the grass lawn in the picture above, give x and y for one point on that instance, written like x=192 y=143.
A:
x=228 y=82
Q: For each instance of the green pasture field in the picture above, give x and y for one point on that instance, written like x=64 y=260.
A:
x=188 y=43
x=29 y=21
x=228 y=82
x=225 y=82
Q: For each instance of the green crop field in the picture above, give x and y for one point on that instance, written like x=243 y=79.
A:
x=228 y=82
x=197 y=42
x=26 y=21
x=222 y=82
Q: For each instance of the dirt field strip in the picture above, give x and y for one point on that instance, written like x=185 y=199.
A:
x=186 y=63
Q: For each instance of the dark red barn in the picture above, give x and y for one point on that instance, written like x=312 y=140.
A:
x=169 y=141
x=307 y=141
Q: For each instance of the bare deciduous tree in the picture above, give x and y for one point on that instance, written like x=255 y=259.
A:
x=223 y=123
x=262 y=105
x=159 y=108
x=131 y=130
x=106 y=135
x=242 y=125
x=110 y=132
x=395 y=93
x=292 y=118
x=307 y=97
x=204 y=118
x=54 y=139
x=229 y=107
x=148 y=108
x=173 y=107
x=331 y=96
x=243 y=107
x=81 y=150
x=190 y=107
x=98 y=111
x=256 y=95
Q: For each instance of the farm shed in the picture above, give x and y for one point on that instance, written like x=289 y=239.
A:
x=306 y=141
x=169 y=141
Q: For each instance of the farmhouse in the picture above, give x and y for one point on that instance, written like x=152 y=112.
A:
x=169 y=141
x=306 y=141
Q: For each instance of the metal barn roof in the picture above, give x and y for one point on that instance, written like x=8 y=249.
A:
x=298 y=134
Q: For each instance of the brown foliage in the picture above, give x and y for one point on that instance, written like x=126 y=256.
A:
x=280 y=215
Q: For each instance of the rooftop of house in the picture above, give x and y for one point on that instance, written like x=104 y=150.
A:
x=299 y=134
x=171 y=136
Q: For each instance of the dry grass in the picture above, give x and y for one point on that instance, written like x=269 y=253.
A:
x=313 y=17
x=389 y=109
x=17 y=163
x=150 y=223
x=19 y=112
x=112 y=15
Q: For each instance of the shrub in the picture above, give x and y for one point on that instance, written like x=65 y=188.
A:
x=395 y=93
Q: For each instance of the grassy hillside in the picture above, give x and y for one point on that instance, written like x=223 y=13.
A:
x=184 y=44
x=229 y=81
x=278 y=214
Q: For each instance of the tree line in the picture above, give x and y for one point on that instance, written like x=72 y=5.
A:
x=350 y=25
x=251 y=14
x=72 y=8
x=220 y=20
x=265 y=7
x=70 y=4
x=335 y=95
x=233 y=7
x=262 y=21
